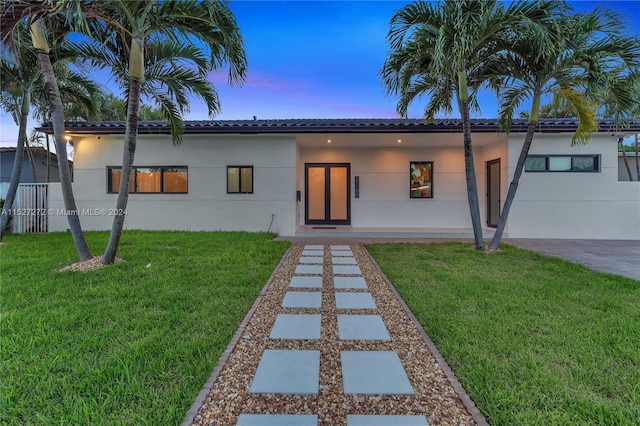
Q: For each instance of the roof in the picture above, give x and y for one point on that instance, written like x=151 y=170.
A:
x=34 y=149
x=318 y=125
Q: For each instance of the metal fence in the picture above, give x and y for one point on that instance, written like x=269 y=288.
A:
x=31 y=207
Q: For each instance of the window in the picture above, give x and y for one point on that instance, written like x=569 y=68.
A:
x=150 y=180
x=562 y=163
x=174 y=179
x=421 y=179
x=239 y=179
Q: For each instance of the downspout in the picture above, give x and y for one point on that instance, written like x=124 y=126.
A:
x=637 y=160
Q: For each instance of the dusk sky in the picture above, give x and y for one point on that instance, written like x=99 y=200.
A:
x=319 y=59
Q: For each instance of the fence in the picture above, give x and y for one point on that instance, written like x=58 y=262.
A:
x=31 y=206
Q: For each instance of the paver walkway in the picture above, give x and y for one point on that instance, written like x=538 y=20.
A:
x=329 y=344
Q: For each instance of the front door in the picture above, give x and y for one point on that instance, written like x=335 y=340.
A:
x=493 y=192
x=327 y=194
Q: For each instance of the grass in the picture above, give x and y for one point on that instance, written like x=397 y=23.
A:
x=130 y=343
x=534 y=340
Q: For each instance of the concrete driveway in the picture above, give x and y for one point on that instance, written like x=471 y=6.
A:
x=621 y=257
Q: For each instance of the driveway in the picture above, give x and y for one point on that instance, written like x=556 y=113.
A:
x=620 y=257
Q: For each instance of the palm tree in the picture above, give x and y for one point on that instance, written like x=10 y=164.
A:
x=17 y=84
x=23 y=86
x=163 y=50
x=438 y=48
x=11 y=14
x=585 y=59
x=629 y=109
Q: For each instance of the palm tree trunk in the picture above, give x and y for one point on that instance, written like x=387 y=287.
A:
x=125 y=178
x=17 y=164
x=624 y=158
x=57 y=119
x=472 y=185
x=136 y=75
x=513 y=186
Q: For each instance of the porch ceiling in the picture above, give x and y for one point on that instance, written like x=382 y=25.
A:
x=390 y=140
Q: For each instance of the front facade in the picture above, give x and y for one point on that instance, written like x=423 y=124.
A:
x=309 y=177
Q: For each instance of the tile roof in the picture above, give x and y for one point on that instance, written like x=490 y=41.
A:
x=319 y=125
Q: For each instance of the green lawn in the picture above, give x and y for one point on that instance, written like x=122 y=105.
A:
x=131 y=343
x=534 y=340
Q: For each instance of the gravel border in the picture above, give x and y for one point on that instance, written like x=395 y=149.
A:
x=225 y=395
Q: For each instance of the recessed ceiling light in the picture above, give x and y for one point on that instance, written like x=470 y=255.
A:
x=399 y=140
x=328 y=140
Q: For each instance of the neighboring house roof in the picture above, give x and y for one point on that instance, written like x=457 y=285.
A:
x=7 y=158
x=318 y=125
x=34 y=149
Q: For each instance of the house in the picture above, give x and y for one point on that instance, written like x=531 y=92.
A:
x=31 y=172
x=388 y=177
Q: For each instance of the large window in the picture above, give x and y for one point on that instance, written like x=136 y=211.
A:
x=562 y=163
x=239 y=179
x=150 y=180
x=421 y=179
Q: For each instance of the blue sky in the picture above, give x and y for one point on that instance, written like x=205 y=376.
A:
x=319 y=59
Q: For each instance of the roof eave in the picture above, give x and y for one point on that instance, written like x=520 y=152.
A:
x=248 y=127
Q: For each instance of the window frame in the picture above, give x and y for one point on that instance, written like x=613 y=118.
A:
x=412 y=164
x=240 y=168
x=134 y=170
x=597 y=163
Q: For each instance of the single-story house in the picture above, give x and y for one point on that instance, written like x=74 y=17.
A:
x=389 y=177
x=34 y=167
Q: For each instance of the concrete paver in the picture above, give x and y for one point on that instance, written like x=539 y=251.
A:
x=309 y=269
x=344 y=261
x=344 y=283
x=296 y=326
x=307 y=252
x=306 y=282
x=346 y=270
x=287 y=372
x=362 y=327
x=374 y=372
x=302 y=299
x=277 y=420
x=354 y=301
x=312 y=259
x=386 y=420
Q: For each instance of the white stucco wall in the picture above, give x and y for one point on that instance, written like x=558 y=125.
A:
x=384 y=186
x=574 y=205
x=548 y=205
x=206 y=206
